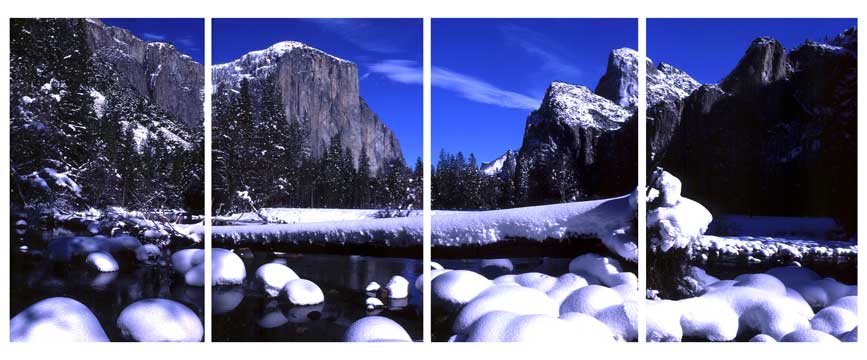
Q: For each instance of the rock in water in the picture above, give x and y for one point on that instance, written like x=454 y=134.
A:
x=153 y=320
x=303 y=292
x=195 y=276
x=273 y=277
x=373 y=303
x=372 y=287
x=228 y=268
x=148 y=253
x=102 y=262
x=57 y=319
x=398 y=287
x=184 y=260
x=375 y=329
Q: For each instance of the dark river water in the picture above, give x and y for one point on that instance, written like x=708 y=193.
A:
x=245 y=313
x=34 y=278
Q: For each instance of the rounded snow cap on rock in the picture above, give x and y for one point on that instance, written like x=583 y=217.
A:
x=372 y=287
x=763 y=338
x=102 y=262
x=834 y=320
x=303 y=292
x=809 y=335
x=503 y=326
x=195 y=276
x=516 y=299
x=603 y=268
x=375 y=329
x=456 y=288
x=589 y=300
x=398 y=287
x=148 y=253
x=227 y=268
x=419 y=281
x=57 y=319
x=152 y=320
x=373 y=303
x=273 y=277
x=184 y=260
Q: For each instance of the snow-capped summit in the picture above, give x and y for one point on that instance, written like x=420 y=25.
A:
x=493 y=167
x=577 y=106
x=620 y=82
x=259 y=62
x=667 y=83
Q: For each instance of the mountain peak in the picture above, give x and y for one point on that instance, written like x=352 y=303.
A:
x=620 y=82
x=577 y=106
x=667 y=83
x=763 y=63
x=494 y=166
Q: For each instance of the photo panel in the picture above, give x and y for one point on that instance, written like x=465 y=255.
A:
x=534 y=186
x=751 y=165
x=317 y=179
x=107 y=180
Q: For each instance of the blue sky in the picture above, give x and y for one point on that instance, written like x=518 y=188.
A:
x=188 y=35
x=708 y=49
x=488 y=74
x=388 y=53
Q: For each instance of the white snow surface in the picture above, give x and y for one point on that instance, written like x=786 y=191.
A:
x=260 y=62
x=456 y=288
x=606 y=219
x=372 y=287
x=195 y=276
x=273 y=277
x=767 y=248
x=184 y=260
x=227 y=268
x=493 y=167
x=57 y=319
x=303 y=215
x=515 y=299
x=590 y=300
x=102 y=262
x=679 y=225
x=397 y=287
x=578 y=106
x=303 y=292
x=502 y=326
x=153 y=320
x=375 y=329
x=404 y=231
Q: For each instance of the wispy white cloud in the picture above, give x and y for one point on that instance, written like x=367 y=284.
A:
x=153 y=37
x=539 y=45
x=468 y=87
x=361 y=32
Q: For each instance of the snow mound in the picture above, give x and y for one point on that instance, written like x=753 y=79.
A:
x=809 y=335
x=57 y=319
x=510 y=298
x=762 y=282
x=184 y=260
x=763 y=338
x=419 y=281
x=834 y=320
x=373 y=303
x=565 y=285
x=153 y=320
x=102 y=262
x=273 y=277
x=496 y=267
x=456 y=288
x=398 y=287
x=604 y=269
x=679 y=225
x=375 y=329
x=622 y=320
x=589 y=300
x=303 y=292
x=851 y=336
x=663 y=321
x=605 y=219
x=227 y=268
x=372 y=287
x=502 y=326
x=148 y=253
x=195 y=276
x=578 y=106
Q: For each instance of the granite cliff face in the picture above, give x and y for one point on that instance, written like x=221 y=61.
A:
x=319 y=90
x=777 y=136
x=156 y=70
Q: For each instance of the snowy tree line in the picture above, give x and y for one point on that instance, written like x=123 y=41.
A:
x=459 y=183
x=264 y=160
x=80 y=138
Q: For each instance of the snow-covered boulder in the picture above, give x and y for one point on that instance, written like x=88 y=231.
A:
x=502 y=326
x=57 y=319
x=375 y=329
x=762 y=282
x=663 y=321
x=102 y=262
x=398 y=287
x=679 y=225
x=195 y=276
x=148 y=253
x=372 y=287
x=496 y=267
x=227 y=268
x=669 y=189
x=809 y=335
x=419 y=281
x=602 y=268
x=184 y=260
x=622 y=319
x=273 y=277
x=153 y=320
x=373 y=303
x=709 y=318
x=456 y=288
x=565 y=285
x=763 y=338
x=303 y=292
x=834 y=320
x=510 y=298
x=589 y=300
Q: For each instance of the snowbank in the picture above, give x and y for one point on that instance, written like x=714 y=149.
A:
x=57 y=319
x=406 y=231
x=608 y=220
x=775 y=249
x=152 y=320
x=375 y=329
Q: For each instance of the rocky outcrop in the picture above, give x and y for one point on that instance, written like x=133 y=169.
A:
x=321 y=91
x=667 y=86
x=507 y=160
x=156 y=70
x=620 y=81
x=776 y=137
